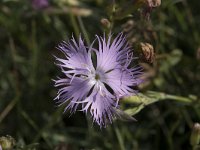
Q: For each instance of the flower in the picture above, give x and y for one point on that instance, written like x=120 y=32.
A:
x=96 y=85
x=39 y=4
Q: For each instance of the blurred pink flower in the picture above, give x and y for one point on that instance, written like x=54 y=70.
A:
x=39 y=4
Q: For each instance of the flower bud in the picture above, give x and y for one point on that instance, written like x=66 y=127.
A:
x=195 y=136
x=7 y=142
x=105 y=22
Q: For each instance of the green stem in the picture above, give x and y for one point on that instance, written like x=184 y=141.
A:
x=120 y=139
x=178 y=98
x=141 y=100
x=56 y=116
x=9 y=107
x=74 y=25
x=83 y=30
x=35 y=127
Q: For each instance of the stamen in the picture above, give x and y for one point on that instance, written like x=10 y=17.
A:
x=97 y=77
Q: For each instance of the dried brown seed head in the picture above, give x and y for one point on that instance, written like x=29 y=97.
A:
x=148 y=53
x=153 y=3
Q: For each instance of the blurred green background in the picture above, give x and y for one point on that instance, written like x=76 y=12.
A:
x=28 y=38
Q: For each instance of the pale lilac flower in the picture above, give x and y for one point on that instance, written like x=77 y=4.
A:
x=39 y=4
x=95 y=86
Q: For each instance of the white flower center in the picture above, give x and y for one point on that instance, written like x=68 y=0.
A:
x=96 y=78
